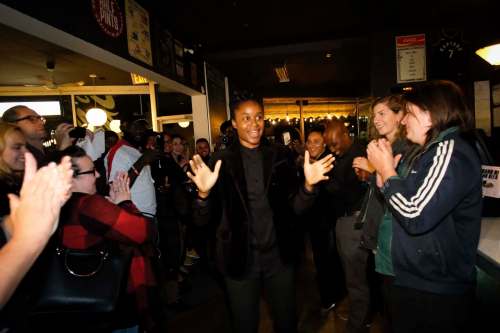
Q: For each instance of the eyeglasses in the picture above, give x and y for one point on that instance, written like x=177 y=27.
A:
x=93 y=171
x=32 y=119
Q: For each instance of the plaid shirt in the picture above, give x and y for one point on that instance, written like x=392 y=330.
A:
x=89 y=220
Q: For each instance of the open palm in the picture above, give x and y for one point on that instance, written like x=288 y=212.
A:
x=201 y=175
x=315 y=172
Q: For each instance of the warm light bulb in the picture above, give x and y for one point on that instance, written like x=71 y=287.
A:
x=183 y=124
x=96 y=117
x=490 y=53
x=114 y=125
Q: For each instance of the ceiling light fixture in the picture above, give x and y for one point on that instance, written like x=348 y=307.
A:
x=491 y=54
x=282 y=73
x=183 y=124
x=328 y=55
x=95 y=116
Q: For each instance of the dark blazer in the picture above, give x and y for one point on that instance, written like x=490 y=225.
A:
x=228 y=204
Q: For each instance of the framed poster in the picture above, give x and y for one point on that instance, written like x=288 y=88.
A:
x=165 y=54
x=411 y=58
x=138 y=35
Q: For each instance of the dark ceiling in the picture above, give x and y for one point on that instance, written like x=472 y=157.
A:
x=245 y=39
x=23 y=62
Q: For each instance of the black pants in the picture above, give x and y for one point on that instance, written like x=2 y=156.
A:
x=329 y=272
x=354 y=259
x=244 y=301
x=418 y=311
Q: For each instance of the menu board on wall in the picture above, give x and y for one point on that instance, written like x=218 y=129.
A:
x=138 y=35
x=411 y=58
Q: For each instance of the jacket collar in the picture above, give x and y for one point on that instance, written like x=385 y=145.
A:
x=442 y=136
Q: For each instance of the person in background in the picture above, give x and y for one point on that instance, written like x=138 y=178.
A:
x=321 y=228
x=85 y=226
x=436 y=210
x=179 y=152
x=168 y=147
x=110 y=139
x=387 y=114
x=203 y=149
x=42 y=195
x=226 y=136
x=12 y=151
x=126 y=156
x=255 y=199
x=33 y=127
x=346 y=192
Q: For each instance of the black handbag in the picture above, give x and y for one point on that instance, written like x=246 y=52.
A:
x=80 y=284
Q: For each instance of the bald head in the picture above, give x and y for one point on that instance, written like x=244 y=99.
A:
x=337 y=137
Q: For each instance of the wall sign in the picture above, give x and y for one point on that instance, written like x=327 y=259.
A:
x=109 y=16
x=411 y=58
x=139 y=38
x=491 y=183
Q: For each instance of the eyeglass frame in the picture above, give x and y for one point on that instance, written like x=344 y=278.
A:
x=88 y=172
x=32 y=119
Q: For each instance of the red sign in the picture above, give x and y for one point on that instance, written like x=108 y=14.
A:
x=108 y=16
x=408 y=41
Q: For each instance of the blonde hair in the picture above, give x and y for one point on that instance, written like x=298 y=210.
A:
x=6 y=171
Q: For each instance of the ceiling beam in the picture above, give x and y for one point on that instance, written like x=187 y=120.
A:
x=89 y=90
x=325 y=45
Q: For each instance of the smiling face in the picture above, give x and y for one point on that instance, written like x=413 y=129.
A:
x=386 y=121
x=249 y=123
x=315 y=144
x=13 y=151
x=177 y=146
x=417 y=123
x=202 y=149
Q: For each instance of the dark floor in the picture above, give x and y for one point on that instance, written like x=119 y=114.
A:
x=206 y=310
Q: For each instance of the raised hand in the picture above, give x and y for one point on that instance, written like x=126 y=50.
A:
x=119 y=189
x=34 y=215
x=202 y=176
x=315 y=172
x=63 y=140
x=379 y=154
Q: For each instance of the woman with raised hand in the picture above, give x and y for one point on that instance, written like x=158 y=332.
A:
x=437 y=212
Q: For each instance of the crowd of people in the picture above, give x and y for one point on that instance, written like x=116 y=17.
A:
x=401 y=214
